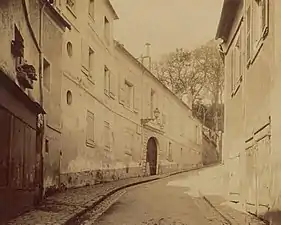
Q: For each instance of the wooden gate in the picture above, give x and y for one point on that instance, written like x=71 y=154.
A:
x=19 y=164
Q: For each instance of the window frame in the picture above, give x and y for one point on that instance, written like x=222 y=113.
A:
x=170 y=154
x=128 y=85
x=258 y=33
x=90 y=142
x=72 y=8
x=45 y=60
x=91 y=9
x=107 y=30
x=91 y=55
x=106 y=81
x=107 y=134
x=236 y=63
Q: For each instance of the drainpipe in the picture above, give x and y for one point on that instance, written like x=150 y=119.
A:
x=41 y=70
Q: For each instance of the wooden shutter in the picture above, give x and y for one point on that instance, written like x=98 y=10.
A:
x=248 y=34
x=136 y=98
x=121 y=90
x=90 y=128
x=112 y=85
x=84 y=54
x=264 y=17
x=106 y=135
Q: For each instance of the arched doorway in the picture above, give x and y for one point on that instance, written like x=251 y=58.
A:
x=151 y=156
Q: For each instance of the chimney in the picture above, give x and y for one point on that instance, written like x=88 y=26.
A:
x=148 y=49
x=147 y=56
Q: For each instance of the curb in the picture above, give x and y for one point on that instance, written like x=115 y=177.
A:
x=99 y=200
x=214 y=208
x=228 y=219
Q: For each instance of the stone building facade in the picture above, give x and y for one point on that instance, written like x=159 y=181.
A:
x=250 y=34
x=113 y=110
x=22 y=45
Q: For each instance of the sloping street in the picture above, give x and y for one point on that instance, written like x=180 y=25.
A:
x=180 y=199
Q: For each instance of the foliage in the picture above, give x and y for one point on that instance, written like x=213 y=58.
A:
x=197 y=74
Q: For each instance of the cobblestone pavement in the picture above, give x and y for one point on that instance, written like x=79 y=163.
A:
x=159 y=203
x=61 y=207
x=156 y=203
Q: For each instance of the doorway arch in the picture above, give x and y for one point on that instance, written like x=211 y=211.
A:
x=151 y=155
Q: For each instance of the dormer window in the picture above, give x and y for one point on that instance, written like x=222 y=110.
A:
x=106 y=29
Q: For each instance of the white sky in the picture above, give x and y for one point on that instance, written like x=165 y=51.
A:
x=166 y=24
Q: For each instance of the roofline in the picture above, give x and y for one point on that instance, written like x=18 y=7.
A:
x=122 y=48
x=116 y=17
x=58 y=16
x=228 y=14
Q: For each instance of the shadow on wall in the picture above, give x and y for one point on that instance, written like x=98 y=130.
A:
x=210 y=154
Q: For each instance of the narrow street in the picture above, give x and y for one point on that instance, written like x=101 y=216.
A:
x=157 y=202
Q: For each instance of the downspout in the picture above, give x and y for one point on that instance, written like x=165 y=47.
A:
x=39 y=49
x=41 y=71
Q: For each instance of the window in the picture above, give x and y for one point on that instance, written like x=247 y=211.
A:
x=197 y=134
x=257 y=27
x=90 y=134
x=46 y=74
x=91 y=62
x=71 y=4
x=106 y=135
x=170 y=157
x=69 y=49
x=68 y=97
x=18 y=46
x=46 y=146
x=92 y=8
x=236 y=64
x=152 y=102
x=248 y=34
x=106 y=81
x=260 y=20
x=106 y=29
x=129 y=94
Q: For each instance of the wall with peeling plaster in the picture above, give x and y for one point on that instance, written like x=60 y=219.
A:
x=83 y=164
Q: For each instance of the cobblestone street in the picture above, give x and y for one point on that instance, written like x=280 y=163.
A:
x=158 y=202
x=194 y=197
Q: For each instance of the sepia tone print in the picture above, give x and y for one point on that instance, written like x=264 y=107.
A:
x=140 y=112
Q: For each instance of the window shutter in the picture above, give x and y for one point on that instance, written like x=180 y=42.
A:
x=265 y=17
x=90 y=128
x=136 y=99
x=248 y=35
x=112 y=85
x=84 y=54
x=121 y=90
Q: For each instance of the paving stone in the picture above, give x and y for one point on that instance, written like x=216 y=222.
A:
x=60 y=207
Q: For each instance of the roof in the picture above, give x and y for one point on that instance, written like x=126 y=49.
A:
x=122 y=48
x=57 y=16
x=14 y=89
x=116 y=17
x=228 y=14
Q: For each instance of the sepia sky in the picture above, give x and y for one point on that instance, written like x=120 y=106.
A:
x=166 y=24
